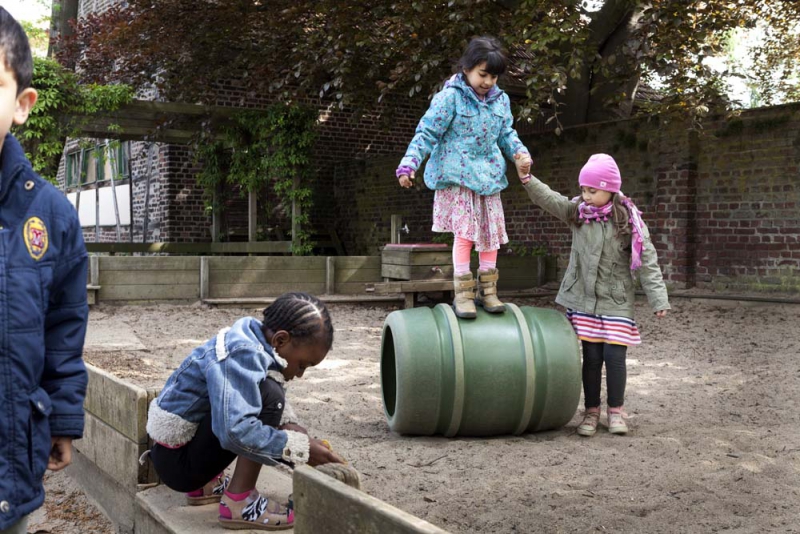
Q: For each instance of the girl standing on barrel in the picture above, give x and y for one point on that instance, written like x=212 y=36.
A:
x=610 y=243
x=467 y=131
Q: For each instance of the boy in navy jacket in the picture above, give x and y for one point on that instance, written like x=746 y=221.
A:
x=43 y=308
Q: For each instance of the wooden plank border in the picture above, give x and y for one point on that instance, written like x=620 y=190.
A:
x=323 y=504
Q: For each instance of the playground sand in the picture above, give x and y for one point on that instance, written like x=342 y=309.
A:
x=714 y=442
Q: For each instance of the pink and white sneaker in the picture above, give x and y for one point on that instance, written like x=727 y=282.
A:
x=210 y=493
x=588 y=426
x=256 y=512
x=616 y=421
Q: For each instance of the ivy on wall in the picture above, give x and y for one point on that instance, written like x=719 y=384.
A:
x=62 y=104
x=264 y=148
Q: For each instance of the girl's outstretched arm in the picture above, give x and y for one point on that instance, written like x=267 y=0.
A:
x=553 y=203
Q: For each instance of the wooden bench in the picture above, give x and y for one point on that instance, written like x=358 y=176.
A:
x=410 y=289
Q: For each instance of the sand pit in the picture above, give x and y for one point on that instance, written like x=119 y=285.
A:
x=712 y=393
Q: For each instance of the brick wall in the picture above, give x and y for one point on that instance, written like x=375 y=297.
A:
x=721 y=205
x=748 y=195
x=176 y=209
x=342 y=135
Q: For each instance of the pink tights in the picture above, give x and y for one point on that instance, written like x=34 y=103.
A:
x=462 y=248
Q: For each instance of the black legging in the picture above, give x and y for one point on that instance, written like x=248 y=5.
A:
x=192 y=466
x=594 y=354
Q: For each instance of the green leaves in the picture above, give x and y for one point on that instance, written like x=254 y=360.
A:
x=375 y=56
x=62 y=99
x=264 y=149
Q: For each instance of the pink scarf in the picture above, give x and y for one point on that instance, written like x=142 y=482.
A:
x=588 y=214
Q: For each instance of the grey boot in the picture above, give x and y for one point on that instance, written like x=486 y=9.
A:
x=464 y=303
x=487 y=291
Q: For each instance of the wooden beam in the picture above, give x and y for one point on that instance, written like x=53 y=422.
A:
x=94 y=271
x=414 y=286
x=258 y=247
x=204 y=278
x=395 y=222
x=330 y=275
x=141 y=120
x=295 y=215
x=323 y=504
x=216 y=216
x=252 y=216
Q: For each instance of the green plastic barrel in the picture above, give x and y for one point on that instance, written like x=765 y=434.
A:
x=507 y=373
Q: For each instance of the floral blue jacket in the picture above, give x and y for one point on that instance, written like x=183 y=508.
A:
x=466 y=139
x=221 y=378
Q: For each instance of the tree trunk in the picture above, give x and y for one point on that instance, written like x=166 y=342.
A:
x=586 y=94
x=62 y=12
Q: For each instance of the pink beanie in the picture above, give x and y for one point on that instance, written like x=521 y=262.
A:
x=601 y=172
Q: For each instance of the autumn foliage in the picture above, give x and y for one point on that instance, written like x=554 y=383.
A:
x=360 y=54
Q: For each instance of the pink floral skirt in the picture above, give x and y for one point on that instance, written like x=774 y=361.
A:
x=471 y=216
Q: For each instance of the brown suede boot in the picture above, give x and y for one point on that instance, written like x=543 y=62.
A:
x=464 y=303
x=487 y=291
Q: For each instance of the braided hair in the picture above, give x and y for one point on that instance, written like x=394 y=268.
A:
x=303 y=316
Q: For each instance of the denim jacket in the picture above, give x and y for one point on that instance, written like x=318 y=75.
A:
x=598 y=279
x=466 y=138
x=221 y=377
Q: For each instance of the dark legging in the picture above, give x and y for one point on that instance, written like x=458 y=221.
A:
x=594 y=354
x=190 y=467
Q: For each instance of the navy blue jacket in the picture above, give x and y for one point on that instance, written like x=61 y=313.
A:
x=43 y=314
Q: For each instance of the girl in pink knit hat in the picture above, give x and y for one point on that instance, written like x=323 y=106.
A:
x=610 y=245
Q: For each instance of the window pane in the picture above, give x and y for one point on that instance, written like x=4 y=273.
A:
x=106 y=165
x=72 y=168
x=90 y=166
x=122 y=159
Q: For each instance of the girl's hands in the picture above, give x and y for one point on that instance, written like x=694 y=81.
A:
x=406 y=180
x=320 y=453
x=523 y=162
x=661 y=313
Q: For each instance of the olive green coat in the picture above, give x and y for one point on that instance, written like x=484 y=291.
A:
x=599 y=279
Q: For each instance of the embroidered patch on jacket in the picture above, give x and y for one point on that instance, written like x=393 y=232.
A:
x=35 y=234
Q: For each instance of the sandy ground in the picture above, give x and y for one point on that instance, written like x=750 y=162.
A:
x=714 y=445
x=67 y=510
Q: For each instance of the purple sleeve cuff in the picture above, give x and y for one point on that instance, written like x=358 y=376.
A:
x=401 y=170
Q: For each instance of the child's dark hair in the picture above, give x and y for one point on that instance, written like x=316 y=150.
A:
x=16 y=50
x=304 y=316
x=486 y=49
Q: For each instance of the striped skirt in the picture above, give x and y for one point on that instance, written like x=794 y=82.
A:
x=604 y=328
